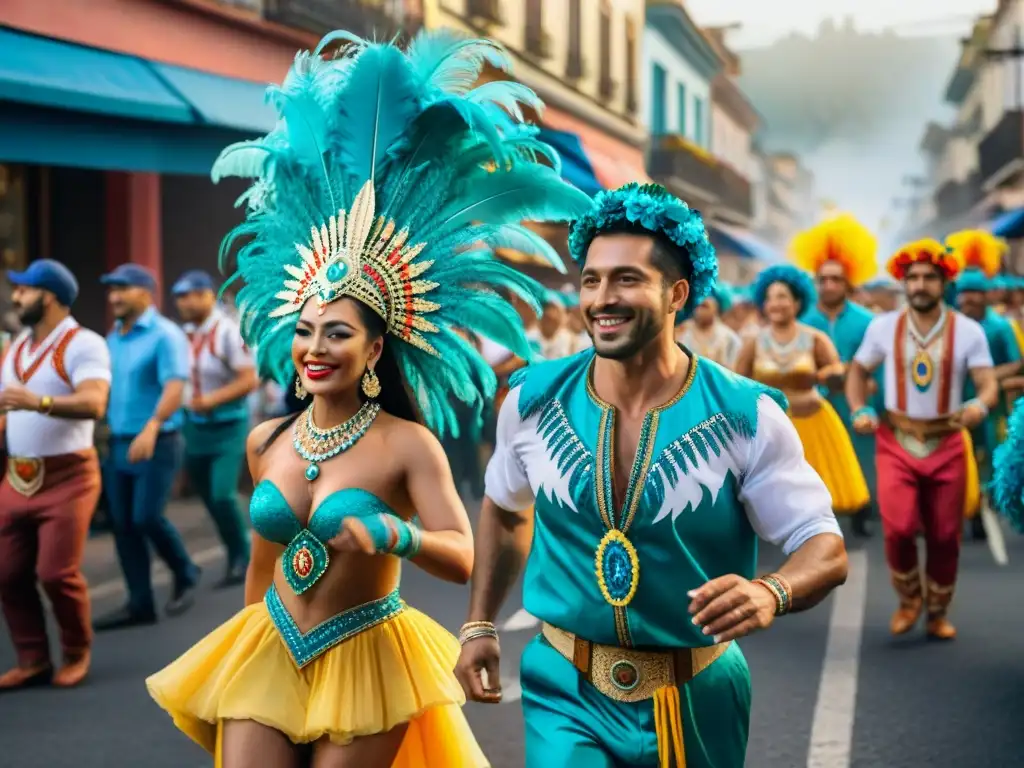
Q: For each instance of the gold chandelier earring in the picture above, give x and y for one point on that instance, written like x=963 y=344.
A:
x=300 y=391
x=370 y=384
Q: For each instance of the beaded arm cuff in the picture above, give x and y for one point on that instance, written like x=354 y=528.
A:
x=974 y=402
x=381 y=528
x=865 y=410
x=780 y=590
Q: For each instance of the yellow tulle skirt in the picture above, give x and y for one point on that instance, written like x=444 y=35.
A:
x=396 y=672
x=972 y=493
x=829 y=451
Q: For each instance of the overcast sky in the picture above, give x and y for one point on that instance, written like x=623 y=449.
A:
x=765 y=20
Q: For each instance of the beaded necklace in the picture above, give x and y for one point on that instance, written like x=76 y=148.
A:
x=317 y=445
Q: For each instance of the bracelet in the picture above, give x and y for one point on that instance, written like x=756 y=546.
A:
x=46 y=405
x=865 y=410
x=976 y=403
x=780 y=590
x=409 y=537
x=473 y=630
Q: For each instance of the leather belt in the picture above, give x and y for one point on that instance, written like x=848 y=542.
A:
x=626 y=674
x=922 y=429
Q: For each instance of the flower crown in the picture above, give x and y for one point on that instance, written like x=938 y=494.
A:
x=353 y=255
x=653 y=209
x=978 y=248
x=924 y=252
x=843 y=240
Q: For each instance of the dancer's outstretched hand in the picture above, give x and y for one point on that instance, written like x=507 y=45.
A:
x=731 y=607
x=477 y=670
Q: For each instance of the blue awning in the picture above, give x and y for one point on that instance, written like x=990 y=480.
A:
x=1009 y=224
x=576 y=167
x=223 y=101
x=741 y=242
x=50 y=73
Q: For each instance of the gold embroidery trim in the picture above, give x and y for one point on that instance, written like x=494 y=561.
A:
x=25 y=475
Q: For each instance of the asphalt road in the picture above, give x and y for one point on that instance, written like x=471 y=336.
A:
x=882 y=703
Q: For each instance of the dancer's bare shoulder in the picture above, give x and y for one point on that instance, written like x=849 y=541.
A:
x=256 y=443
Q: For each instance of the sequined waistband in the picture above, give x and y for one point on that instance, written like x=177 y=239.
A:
x=307 y=646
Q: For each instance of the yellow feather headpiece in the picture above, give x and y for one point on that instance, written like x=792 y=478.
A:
x=842 y=239
x=978 y=248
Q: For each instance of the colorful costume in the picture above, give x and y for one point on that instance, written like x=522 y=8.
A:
x=1008 y=477
x=923 y=460
x=844 y=241
x=386 y=173
x=50 y=490
x=793 y=368
x=719 y=342
x=716 y=467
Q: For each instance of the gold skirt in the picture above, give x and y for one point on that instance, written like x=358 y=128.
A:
x=399 y=671
x=972 y=493
x=829 y=451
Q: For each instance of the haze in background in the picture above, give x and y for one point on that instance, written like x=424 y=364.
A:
x=849 y=86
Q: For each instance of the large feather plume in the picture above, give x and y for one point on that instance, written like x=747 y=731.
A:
x=978 y=248
x=842 y=239
x=450 y=161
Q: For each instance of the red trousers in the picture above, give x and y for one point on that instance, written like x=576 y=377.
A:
x=42 y=538
x=922 y=495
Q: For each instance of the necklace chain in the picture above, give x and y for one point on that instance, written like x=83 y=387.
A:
x=317 y=445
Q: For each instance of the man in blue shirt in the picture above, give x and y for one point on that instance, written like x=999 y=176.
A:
x=150 y=363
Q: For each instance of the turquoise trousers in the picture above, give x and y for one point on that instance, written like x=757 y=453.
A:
x=570 y=724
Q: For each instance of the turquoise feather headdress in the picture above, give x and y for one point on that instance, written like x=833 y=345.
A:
x=799 y=282
x=390 y=179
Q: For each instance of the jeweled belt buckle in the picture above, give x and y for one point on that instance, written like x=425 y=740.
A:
x=629 y=675
x=25 y=474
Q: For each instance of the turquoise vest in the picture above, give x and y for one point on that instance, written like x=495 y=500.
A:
x=620 y=577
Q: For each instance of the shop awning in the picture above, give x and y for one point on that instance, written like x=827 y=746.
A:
x=576 y=167
x=50 y=73
x=70 y=105
x=613 y=172
x=1009 y=224
x=223 y=101
x=742 y=243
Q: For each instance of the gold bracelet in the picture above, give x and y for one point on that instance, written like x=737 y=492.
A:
x=477 y=625
x=780 y=590
x=46 y=405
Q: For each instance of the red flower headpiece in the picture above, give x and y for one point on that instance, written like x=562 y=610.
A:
x=924 y=252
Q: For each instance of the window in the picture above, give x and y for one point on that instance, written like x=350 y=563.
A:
x=658 y=122
x=681 y=106
x=574 y=67
x=606 y=86
x=631 y=101
x=536 y=40
x=698 y=121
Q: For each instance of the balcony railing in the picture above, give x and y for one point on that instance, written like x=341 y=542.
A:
x=375 y=19
x=1002 y=146
x=675 y=157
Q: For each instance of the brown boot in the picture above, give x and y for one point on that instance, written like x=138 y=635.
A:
x=76 y=667
x=940 y=628
x=26 y=677
x=906 y=616
x=908 y=587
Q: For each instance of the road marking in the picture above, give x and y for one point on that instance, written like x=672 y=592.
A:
x=161 y=575
x=511 y=690
x=832 y=728
x=519 y=621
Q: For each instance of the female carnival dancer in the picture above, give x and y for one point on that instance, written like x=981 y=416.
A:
x=385 y=171
x=798 y=359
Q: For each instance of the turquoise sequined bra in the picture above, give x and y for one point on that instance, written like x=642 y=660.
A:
x=306 y=559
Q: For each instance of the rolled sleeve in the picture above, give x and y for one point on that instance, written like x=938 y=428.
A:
x=786 y=501
x=172 y=356
x=506 y=481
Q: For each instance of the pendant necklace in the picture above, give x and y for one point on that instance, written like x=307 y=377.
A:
x=922 y=367
x=317 y=445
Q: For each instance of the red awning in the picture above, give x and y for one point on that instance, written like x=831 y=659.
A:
x=614 y=161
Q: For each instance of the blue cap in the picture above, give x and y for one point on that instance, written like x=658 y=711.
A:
x=130 y=276
x=48 y=275
x=193 y=280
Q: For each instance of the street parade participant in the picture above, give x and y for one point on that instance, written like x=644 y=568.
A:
x=1008 y=475
x=653 y=472
x=217 y=413
x=883 y=295
x=53 y=387
x=706 y=334
x=841 y=254
x=980 y=256
x=798 y=359
x=149 y=361
x=923 y=448
x=387 y=171
x=742 y=315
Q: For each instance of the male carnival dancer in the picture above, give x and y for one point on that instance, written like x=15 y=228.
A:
x=53 y=387
x=841 y=254
x=651 y=474
x=217 y=413
x=923 y=448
